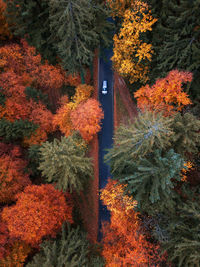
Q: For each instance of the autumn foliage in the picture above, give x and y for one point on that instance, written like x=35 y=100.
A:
x=166 y=94
x=38 y=212
x=124 y=243
x=131 y=54
x=86 y=118
x=12 y=177
x=81 y=113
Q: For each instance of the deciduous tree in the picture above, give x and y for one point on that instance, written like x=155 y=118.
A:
x=124 y=242
x=38 y=212
x=131 y=54
x=166 y=95
x=12 y=177
x=86 y=118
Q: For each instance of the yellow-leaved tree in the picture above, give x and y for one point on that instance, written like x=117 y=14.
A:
x=131 y=54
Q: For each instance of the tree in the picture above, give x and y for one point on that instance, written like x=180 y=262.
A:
x=4 y=30
x=186 y=136
x=86 y=118
x=38 y=212
x=148 y=132
x=71 y=248
x=64 y=162
x=23 y=21
x=166 y=95
x=131 y=54
x=75 y=31
x=12 y=177
x=175 y=38
x=152 y=179
x=17 y=256
x=17 y=130
x=62 y=119
x=124 y=242
x=184 y=243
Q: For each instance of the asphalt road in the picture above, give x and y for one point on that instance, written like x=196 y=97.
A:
x=106 y=133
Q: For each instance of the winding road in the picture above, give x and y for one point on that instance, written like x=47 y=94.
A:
x=106 y=133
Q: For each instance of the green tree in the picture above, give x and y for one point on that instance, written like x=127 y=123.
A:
x=186 y=137
x=30 y=19
x=184 y=238
x=148 y=132
x=17 y=130
x=70 y=249
x=176 y=39
x=77 y=28
x=151 y=179
x=65 y=163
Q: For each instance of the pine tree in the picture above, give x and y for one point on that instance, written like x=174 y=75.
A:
x=75 y=31
x=184 y=237
x=175 y=38
x=17 y=130
x=151 y=179
x=70 y=249
x=65 y=163
x=148 y=132
x=186 y=137
x=30 y=19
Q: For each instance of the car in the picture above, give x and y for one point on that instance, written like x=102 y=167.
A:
x=104 y=88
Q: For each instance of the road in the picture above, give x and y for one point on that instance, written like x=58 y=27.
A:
x=106 y=133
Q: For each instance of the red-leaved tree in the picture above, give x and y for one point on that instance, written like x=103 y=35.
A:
x=12 y=177
x=39 y=212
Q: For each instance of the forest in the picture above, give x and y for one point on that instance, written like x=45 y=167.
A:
x=50 y=117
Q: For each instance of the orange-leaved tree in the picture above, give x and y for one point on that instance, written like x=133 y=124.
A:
x=62 y=119
x=132 y=55
x=86 y=118
x=124 y=242
x=166 y=95
x=12 y=177
x=39 y=212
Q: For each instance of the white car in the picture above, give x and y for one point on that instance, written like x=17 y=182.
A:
x=104 y=88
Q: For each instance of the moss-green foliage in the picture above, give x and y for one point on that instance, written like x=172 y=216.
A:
x=148 y=180
x=36 y=95
x=186 y=137
x=33 y=160
x=148 y=132
x=30 y=19
x=77 y=28
x=71 y=249
x=175 y=39
x=65 y=163
x=183 y=245
x=2 y=97
x=17 y=130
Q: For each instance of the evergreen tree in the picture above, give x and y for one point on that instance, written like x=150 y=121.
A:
x=71 y=249
x=36 y=95
x=184 y=238
x=149 y=131
x=186 y=137
x=33 y=160
x=151 y=179
x=176 y=39
x=17 y=130
x=30 y=19
x=77 y=28
x=65 y=163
